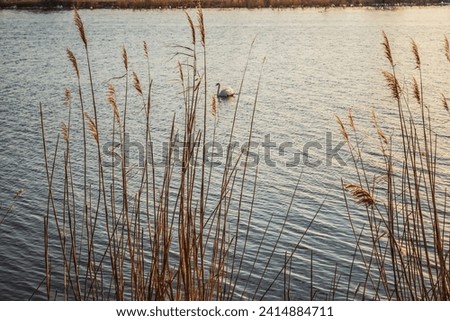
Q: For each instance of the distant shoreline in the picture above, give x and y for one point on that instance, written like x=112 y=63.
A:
x=220 y=4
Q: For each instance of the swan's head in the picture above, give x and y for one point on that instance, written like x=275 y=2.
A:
x=218 y=84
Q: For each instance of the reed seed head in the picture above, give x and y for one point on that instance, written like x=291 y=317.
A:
x=342 y=128
x=79 y=24
x=191 y=25
x=137 y=83
x=125 y=58
x=214 y=106
x=415 y=51
x=360 y=195
x=113 y=102
x=201 y=24
x=444 y=102
x=92 y=126
x=382 y=136
x=74 y=62
x=393 y=84
x=447 y=48
x=387 y=49
x=351 y=120
x=65 y=131
x=416 y=91
x=380 y=132
x=374 y=117
x=146 y=50
x=67 y=98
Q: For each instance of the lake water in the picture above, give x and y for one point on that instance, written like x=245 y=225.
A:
x=319 y=63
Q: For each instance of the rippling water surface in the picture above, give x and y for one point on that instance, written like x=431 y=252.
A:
x=319 y=63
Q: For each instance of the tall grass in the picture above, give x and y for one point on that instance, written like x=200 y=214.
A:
x=406 y=255
x=149 y=233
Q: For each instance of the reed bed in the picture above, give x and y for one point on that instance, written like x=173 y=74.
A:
x=403 y=243
x=152 y=233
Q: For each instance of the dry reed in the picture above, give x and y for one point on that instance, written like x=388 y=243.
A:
x=125 y=58
x=393 y=84
x=360 y=195
x=80 y=26
x=111 y=98
x=214 y=106
x=92 y=126
x=405 y=255
x=415 y=51
x=447 y=48
x=387 y=49
x=444 y=101
x=74 y=62
x=137 y=83
x=416 y=91
x=342 y=128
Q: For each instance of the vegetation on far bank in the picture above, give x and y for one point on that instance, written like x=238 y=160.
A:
x=168 y=4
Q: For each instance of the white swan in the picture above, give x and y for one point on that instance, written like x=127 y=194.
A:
x=224 y=93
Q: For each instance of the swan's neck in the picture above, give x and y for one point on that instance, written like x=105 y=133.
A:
x=218 y=89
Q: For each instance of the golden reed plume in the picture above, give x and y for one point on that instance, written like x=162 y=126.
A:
x=191 y=25
x=393 y=84
x=146 y=50
x=387 y=49
x=79 y=24
x=74 y=62
x=447 y=48
x=342 y=127
x=92 y=126
x=360 y=195
x=444 y=102
x=137 y=83
x=214 y=106
x=113 y=102
x=67 y=97
x=125 y=58
x=201 y=24
x=65 y=131
x=380 y=132
x=416 y=91
x=415 y=51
